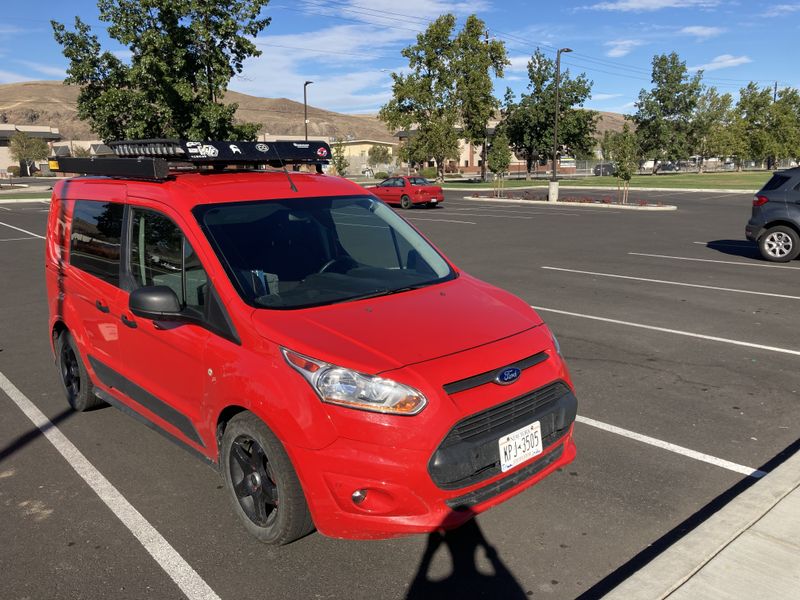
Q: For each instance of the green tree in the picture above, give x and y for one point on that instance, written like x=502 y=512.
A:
x=664 y=114
x=183 y=55
x=624 y=150
x=379 y=155
x=477 y=59
x=605 y=145
x=499 y=158
x=754 y=127
x=338 y=158
x=80 y=151
x=786 y=123
x=26 y=150
x=449 y=84
x=711 y=126
x=529 y=122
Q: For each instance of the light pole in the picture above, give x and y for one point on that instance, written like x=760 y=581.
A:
x=552 y=195
x=305 y=105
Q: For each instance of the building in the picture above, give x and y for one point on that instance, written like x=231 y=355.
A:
x=8 y=131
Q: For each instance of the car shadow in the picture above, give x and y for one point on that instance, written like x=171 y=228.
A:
x=465 y=580
x=740 y=248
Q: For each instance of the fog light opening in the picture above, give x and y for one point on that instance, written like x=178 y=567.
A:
x=359 y=496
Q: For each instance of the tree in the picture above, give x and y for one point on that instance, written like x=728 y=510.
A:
x=499 y=158
x=624 y=150
x=448 y=85
x=664 y=114
x=476 y=59
x=754 y=125
x=81 y=152
x=338 y=158
x=711 y=126
x=786 y=123
x=183 y=55
x=529 y=122
x=379 y=155
x=605 y=145
x=26 y=150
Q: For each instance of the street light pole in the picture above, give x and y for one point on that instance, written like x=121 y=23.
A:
x=552 y=195
x=305 y=105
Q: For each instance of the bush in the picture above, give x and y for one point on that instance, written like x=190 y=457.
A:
x=13 y=170
x=381 y=175
x=429 y=173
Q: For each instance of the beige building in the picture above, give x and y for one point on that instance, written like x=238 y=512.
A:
x=8 y=131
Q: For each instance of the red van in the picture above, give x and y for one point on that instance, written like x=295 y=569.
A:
x=294 y=331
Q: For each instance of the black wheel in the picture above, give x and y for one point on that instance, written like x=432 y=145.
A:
x=261 y=482
x=74 y=378
x=779 y=244
x=405 y=202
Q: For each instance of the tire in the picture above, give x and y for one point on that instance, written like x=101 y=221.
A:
x=72 y=372
x=779 y=244
x=262 y=484
x=405 y=202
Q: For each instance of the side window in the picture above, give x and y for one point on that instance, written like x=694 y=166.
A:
x=160 y=255
x=95 y=240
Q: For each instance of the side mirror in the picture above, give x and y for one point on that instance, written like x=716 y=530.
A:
x=156 y=302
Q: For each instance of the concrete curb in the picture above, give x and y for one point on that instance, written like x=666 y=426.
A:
x=681 y=561
x=606 y=188
x=561 y=204
x=23 y=200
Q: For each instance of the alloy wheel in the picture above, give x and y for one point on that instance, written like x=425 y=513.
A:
x=253 y=482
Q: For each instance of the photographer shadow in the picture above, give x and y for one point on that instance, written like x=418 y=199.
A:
x=465 y=580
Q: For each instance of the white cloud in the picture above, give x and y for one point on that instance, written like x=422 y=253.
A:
x=519 y=63
x=601 y=97
x=652 y=5
x=701 y=32
x=9 y=77
x=618 y=48
x=780 y=10
x=723 y=61
x=49 y=70
x=390 y=13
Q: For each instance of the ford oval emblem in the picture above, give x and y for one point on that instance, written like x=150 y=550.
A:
x=508 y=375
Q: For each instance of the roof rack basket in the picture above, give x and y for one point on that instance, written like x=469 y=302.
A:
x=153 y=159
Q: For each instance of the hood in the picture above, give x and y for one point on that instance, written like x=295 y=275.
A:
x=389 y=332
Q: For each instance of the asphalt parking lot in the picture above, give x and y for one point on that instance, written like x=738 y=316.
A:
x=683 y=348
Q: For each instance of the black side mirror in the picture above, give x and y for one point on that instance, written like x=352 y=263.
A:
x=156 y=302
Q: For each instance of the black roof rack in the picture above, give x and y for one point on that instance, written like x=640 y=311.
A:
x=152 y=159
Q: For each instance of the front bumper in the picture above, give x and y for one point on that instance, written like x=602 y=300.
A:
x=406 y=494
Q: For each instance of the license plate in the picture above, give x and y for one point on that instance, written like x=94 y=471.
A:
x=519 y=446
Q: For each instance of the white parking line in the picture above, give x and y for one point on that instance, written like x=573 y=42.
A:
x=680 y=283
x=515 y=212
x=441 y=220
x=187 y=579
x=23 y=230
x=708 y=260
x=646 y=439
x=700 y=336
x=17 y=239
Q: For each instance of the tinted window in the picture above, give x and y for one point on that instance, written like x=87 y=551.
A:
x=774 y=183
x=160 y=255
x=419 y=181
x=95 y=241
x=301 y=252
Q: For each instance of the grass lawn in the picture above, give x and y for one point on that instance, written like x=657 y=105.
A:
x=44 y=195
x=748 y=180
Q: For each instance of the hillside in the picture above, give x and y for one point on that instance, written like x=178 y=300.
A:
x=54 y=104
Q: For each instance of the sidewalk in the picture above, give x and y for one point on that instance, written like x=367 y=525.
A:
x=749 y=549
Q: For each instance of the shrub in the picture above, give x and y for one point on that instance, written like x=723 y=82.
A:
x=13 y=170
x=381 y=175
x=429 y=173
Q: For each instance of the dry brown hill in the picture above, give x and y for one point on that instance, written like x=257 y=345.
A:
x=54 y=104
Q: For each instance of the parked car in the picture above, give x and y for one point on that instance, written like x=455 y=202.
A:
x=775 y=220
x=604 y=169
x=408 y=191
x=297 y=333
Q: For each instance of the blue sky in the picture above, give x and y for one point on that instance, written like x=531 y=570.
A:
x=350 y=47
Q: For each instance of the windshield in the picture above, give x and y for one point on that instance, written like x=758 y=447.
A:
x=301 y=252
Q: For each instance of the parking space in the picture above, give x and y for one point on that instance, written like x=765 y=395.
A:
x=681 y=344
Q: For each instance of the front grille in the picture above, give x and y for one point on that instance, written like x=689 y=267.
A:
x=488 y=492
x=496 y=418
x=470 y=453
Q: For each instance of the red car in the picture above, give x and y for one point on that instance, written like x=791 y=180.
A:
x=408 y=191
x=297 y=333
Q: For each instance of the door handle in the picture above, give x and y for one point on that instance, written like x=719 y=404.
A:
x=130 y=323
x=103 y=308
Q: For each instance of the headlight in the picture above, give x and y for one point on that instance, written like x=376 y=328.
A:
x=555 y=343
x=345 y=387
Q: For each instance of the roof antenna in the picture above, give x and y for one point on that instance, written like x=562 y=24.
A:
x=285 y=170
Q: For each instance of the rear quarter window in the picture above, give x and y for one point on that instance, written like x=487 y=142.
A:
x=95 y=239
x=776 y=182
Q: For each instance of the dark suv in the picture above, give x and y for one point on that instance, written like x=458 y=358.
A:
x=775 y=223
